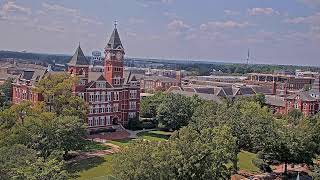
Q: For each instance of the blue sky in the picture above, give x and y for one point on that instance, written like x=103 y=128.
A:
x=276 y=31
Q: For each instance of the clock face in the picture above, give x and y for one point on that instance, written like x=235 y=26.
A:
x=119 y=56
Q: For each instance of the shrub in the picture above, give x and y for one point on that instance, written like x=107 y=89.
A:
x=102 y=131
x=134 y=124
x=148 y=125
x=264 y=167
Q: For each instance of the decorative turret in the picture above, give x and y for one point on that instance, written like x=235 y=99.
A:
x=79 y=59
x=114 y=53
x=79 y=66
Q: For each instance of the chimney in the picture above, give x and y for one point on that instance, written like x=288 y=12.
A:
x=274 y=88
x=179 y=77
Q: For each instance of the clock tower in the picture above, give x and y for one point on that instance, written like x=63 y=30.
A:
x=114 y=53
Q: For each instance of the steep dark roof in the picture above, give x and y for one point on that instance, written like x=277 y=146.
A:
x=261 y=89
x=78 y=58
x=114 y=41
x=27 y=75
x=133 y=78
x=101 y=78
x=247 y=91
x=205 y=90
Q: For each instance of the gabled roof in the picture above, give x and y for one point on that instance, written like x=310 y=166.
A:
x=101 y=78
x=304 y=96
x=114 y=42
x=205 y=90
x=27 y=75
x=247 y=91
x=78 y=58
x=133 y=78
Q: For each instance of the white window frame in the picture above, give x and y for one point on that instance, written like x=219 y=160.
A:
x=116 y=96
x=91 y=97
x=97 y=96
x=108 y=108
x=116 y=107
x=132 y=105
x=109 y=96
x=133 y=94
x=132 y=115
x=90 y=122
x=108 y=120
x=96 y=121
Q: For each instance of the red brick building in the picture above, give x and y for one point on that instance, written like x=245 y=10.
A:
x=305 y=101
x=111 y=98
x=23 y=88
x=158 y=83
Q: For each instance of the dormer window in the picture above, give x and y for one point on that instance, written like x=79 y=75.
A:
x=117 y=81
x=101 y=85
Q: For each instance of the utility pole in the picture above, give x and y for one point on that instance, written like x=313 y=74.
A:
x=248 y=57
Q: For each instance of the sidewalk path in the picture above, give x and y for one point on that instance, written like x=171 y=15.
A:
x=133 y=134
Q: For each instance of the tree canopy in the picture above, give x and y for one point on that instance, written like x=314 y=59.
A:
x=187 y=155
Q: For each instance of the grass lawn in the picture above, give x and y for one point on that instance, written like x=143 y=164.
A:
x=90 y=146
x=155 y=135
x=99 y=168
x=94 y=168
x=151 y=136
x=122 y=142
x=245 y=161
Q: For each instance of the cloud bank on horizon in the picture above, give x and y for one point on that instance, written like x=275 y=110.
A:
x=277 y=32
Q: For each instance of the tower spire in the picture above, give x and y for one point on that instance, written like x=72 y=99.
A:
x=115 y=24
x=115 y=42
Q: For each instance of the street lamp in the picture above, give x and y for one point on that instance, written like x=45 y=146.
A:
x=22 y=115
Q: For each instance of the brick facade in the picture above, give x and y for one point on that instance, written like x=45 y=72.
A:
x=111 y=99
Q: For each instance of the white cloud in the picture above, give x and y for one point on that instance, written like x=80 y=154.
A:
x=311 y=2
x=57 y=29
x=178 y=26
x=11 y=6
x=231 y=12
x=171 y=15
x=262 y=11
x=9 y=10
x=312 y=20
x=59 y=8
x=147 y=3
x=224 y=25
x=70 y=12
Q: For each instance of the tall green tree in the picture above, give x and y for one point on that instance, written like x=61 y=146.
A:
x=6 y=92
x=20 y=162
x=57 y=90
x=149 y=105
x=174 y=112
x=291 y=145
x=187 y=155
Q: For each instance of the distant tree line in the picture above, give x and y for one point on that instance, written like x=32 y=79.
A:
x=35 y=58
x=196 y=68
x=240 y=69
